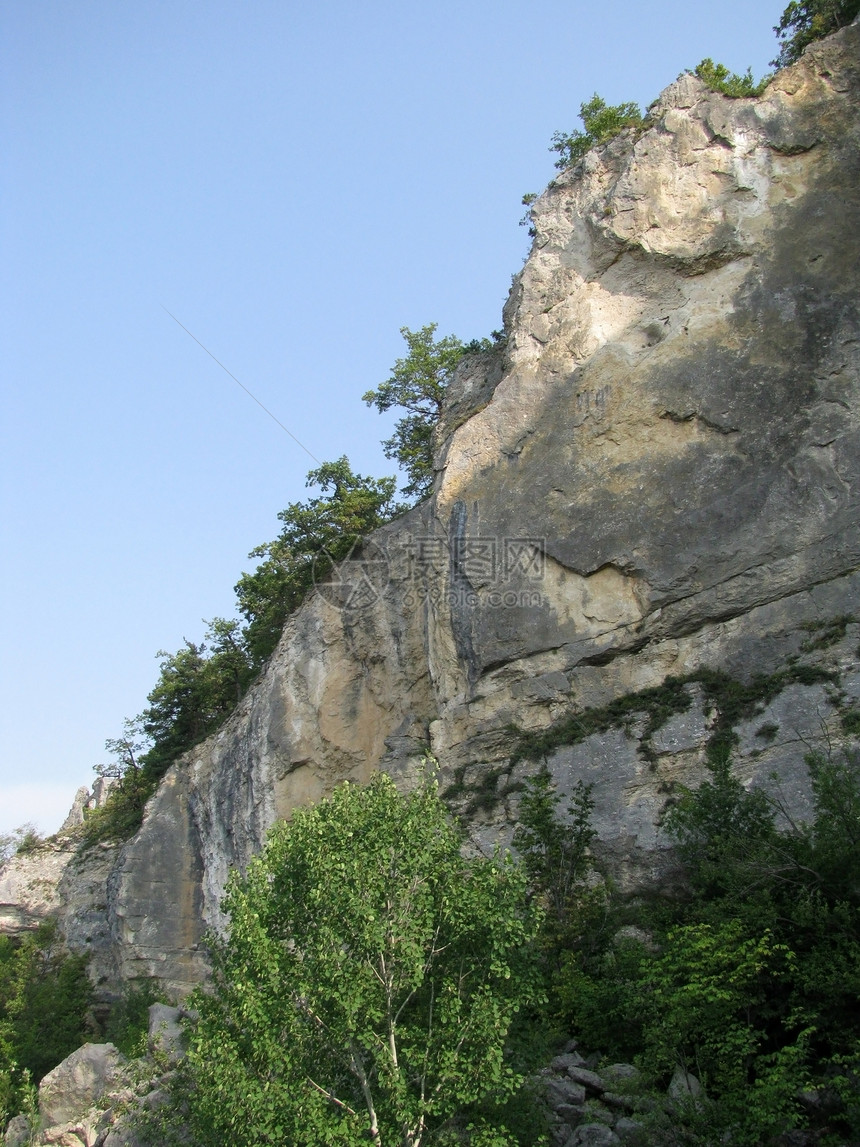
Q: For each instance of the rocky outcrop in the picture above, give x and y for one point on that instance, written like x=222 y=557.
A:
x=32 y=887
x=657 y=476
x=29 y=883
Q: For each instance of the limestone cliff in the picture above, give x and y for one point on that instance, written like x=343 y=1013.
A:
x=657 y=476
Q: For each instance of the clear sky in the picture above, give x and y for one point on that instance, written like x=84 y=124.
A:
x=295 y=183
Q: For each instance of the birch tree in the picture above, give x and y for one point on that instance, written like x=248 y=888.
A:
x=368 y=981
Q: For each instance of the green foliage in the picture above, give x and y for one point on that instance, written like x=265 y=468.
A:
x=805 y=21
x=825 y=633
x=44 y=998
x=417 y=385
x=719 y=79
x=527 y=200
x=601 y=122
x=751 y=979
x=368 y=982
x=314 y=535
x=659 y=704
x=127 y=1025
x=829 y=848
x=734 y=701
x=724 y=836
x=555 y=852
x=23 y=839
x=699 y=994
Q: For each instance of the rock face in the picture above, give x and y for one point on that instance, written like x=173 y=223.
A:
x=656 y=477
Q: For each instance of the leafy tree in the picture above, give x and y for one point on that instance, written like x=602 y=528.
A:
x=805 y=21
x=120 y=815
x=44 y=998
x=126 y=751
x=417 y=385
x=315 y=534
x=706 y=1000
x=720 y=79
x=183 y=705
x=601 y=122
x=368 y=981
x=725 y=836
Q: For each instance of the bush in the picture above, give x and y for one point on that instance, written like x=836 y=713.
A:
x=21 y=840
x=719 y=79
x=127 y=1026
x=601 y=122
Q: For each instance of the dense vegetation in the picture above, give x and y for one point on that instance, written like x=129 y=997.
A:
x=377 y=986
x=750 y=976
x=45 y=995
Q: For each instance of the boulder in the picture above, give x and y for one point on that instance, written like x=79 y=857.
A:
x=594 y=1135
x=684 y=1086
x=564 y=1091
x=620 y=1072
x=629 y=1131
x=124 y=1136
x=78 y=1083
x=17 y=1132
x=568 y=1059
x=589 y=1079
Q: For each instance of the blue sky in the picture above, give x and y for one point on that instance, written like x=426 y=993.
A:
x=295 y=183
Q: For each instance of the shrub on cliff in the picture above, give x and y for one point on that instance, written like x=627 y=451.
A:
x=314 y=535
x=368 y=981
x=601 y=121
x=720 y=79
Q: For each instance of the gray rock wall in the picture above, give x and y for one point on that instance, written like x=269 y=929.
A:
x=657 y=476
